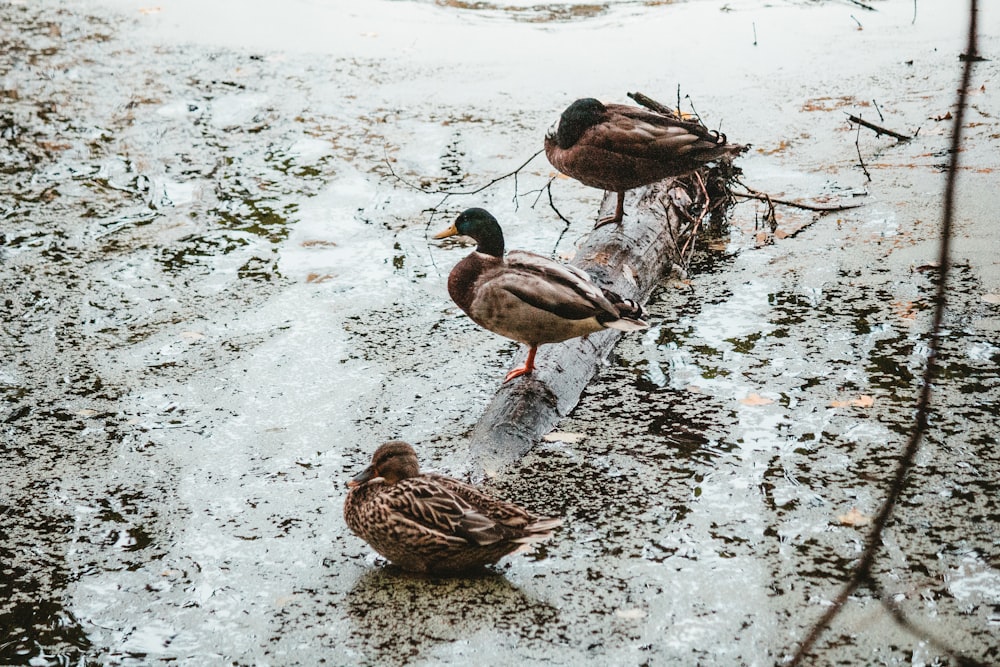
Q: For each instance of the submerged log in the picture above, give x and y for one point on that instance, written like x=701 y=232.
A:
x=655 y=239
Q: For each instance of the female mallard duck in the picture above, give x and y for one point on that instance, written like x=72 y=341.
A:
x=527 y=297
x=617 y=147
x=432 y=523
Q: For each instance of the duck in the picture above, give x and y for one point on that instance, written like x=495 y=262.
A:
x=434 y=524
x=617 y=147
x=527 y=297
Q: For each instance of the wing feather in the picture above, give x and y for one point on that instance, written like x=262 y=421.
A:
x=557 y=288
x=431 y=507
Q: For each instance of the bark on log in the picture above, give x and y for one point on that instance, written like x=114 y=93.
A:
x=629 y=259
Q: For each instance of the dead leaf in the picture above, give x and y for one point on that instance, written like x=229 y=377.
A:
x=862 y=401
x=992 y=297
x=777 y=149
x=150 y=10
x=53 y=146
x=318 y=243
x=568 y=437
x=855 y=518
x=756 y=399
x=318 y=277
x=86 y=412
x=192 y=335
x=947 y=116
x=631 y=614
x=831 y=103
x=905 y=309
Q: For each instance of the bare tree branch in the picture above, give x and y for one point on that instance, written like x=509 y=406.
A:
x=435 y=191
x=863 y=570
x=879 y=130
x=820 y=208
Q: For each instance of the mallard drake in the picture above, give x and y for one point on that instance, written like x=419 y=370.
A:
x=617 y=147
x=527 y=297
x=424 y=522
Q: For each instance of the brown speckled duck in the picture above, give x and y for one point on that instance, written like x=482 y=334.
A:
x=424 y=522
x=527 y=297
x=617 y=147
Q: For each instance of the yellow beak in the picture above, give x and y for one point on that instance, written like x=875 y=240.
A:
x=451 y=231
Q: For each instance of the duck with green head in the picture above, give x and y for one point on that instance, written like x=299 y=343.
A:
x=425 y=522
x=527 y=297
x=617 y=147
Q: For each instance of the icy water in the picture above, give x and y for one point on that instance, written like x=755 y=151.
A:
x=217 y=300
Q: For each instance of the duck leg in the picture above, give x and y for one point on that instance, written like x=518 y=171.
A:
x=529 y=365
x=619 y=212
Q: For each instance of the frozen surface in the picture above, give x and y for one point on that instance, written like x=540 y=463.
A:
x=218 y=300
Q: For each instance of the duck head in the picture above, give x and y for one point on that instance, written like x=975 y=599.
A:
x=479 y=224
x=391 y=462
x=576 y=119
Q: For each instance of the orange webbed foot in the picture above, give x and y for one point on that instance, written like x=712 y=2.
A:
x=517 y=372
x=529 y=365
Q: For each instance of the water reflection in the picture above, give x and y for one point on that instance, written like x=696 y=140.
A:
x=397 y=617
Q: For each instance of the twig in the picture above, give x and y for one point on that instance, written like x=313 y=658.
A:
x=561 y=217
x=862 y=6
x=880 y=116
x=861 y=160
x=878 y=129
x=863 y=570
x=653 y=105
x=754 y=33
x=860 y=27
x=459 y=192
x=821 y=208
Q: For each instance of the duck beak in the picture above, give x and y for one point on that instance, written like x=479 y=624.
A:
x=451 y=231
x=365 y=475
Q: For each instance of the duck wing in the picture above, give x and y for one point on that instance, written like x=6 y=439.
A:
x=430 y=505
x=645 y=134
x=510 y=522
x=557 y=288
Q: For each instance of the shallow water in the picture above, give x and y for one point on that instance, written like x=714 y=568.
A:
x=218 y=300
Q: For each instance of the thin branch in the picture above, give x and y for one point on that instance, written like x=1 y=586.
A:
x=861 y=160
x=879 y=130
x=881 y=118
x=565 y=229
x=820 y=208
x=862 y=6
x=459 y=192
x=863 y=570
x=653 y=105
x=562 y=217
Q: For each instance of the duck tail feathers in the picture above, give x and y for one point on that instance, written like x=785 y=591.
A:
x=628 y=324
x=630 y=315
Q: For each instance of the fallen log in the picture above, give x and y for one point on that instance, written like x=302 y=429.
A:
x=630 y=259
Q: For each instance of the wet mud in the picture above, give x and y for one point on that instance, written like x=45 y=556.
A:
x=218 y=298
